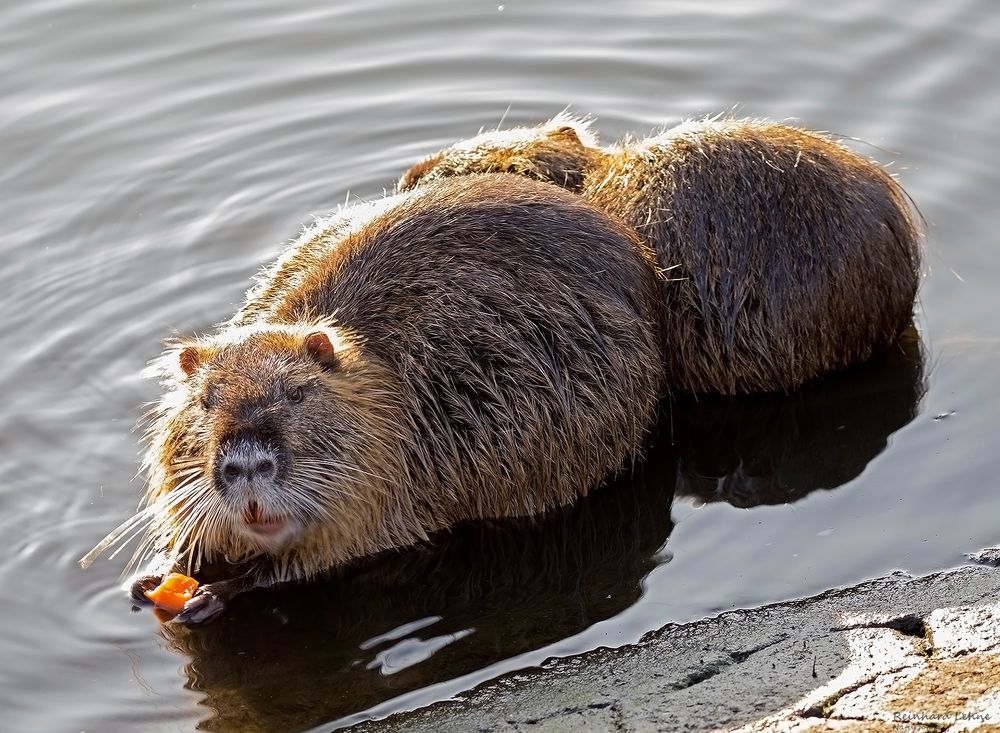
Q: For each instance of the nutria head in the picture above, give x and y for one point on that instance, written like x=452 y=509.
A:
x=560 y=151
x=263 y=445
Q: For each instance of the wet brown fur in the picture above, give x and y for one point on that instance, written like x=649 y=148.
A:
x=497 y=353
x=786 y=255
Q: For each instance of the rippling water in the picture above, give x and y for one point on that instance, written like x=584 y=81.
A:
x=156 y=154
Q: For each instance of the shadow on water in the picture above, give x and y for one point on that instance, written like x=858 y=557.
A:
x=488 y=591
x=765 y=449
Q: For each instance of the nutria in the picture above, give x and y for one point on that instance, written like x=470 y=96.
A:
x=786 y=255
x=474 y=349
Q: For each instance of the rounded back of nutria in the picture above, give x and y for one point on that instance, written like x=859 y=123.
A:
x=786 y=256
x=477 y=348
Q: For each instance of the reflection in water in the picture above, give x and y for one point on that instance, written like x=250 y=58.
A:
x=763 y=449
x=295 y=658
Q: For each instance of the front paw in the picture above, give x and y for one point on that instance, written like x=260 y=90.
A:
x=139 y=587
x=206 y=605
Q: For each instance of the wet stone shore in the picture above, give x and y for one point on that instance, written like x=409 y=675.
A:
x=895 y=653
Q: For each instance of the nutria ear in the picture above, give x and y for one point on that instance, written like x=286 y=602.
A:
x=417 y=171
x=565 y=134
x=189 y=360
x=321 y=349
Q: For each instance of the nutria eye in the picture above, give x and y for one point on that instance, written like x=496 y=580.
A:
x=294 y=394
x=206 y=401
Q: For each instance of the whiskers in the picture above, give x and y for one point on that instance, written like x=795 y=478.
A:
x=336 y=509
x=332 y=494
x=117 y=536
x=185 y=521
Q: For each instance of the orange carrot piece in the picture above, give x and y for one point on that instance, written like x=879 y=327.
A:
x=175 y=590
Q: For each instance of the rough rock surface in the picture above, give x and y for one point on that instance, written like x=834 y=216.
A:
x=898 y=653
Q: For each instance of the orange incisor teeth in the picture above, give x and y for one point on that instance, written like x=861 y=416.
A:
x=251 y=514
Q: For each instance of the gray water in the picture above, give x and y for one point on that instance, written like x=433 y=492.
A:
x=156 y=154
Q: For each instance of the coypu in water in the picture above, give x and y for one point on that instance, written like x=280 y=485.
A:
x=489 y=591
x=474 y=349
x=786 y=255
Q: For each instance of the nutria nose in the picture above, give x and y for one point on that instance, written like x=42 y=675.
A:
x=246 y=461
x=233 y=467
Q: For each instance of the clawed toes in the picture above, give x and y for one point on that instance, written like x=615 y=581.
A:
x=137 y=592
x=203 y=607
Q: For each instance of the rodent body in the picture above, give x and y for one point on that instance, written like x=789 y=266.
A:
x=475 y=349
x=786 y=256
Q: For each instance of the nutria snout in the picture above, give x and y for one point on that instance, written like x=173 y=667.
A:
x=248 y=474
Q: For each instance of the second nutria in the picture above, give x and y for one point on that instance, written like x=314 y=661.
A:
x=474 y=349
x=786 y=255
